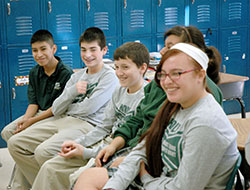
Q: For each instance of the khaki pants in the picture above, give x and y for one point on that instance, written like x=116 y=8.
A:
x=54 y=173
x=41 y=142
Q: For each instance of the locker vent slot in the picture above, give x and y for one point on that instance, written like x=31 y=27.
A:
x=137 y=18
x=64 y=23
x=203 y=13
x=25 y=63
x=101 y=20
x=234 y=44
x=234 y=11
x=24 y=26
x=67 y=58
x=171 y=16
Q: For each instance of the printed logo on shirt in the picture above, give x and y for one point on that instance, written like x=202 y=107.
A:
x=123 y=113
x=172 y=146
x=57 y=86
x=81 y=97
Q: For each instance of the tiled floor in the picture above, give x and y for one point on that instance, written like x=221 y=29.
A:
x=8 y=163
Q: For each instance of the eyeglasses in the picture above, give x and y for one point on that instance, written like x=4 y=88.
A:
x=172 y=75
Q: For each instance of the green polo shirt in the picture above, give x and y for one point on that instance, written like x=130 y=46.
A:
x=44 y=89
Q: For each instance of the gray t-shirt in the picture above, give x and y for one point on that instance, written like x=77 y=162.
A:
x=89 y=106
x=121 y=107
x=199 y=151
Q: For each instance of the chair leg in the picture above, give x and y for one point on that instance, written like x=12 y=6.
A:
x=11 y=178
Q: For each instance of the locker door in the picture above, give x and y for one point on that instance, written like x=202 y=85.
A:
x=70 y=54
x=203 y=13
x=160 y=43
x=63 y=19
x=112 y=45
x=3 y=101
x=210 y=37
x=136 y=17
x=233 y=50
x=147 y=41
x=234 y=13
x=20 y=61
x=169 y=14
x=23 y=19
x=102 y=15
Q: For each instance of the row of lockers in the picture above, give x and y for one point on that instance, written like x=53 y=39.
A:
x=224 y=23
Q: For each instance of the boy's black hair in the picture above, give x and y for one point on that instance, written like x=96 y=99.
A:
x=135 y=51
x=93 y=34
x=42 y=36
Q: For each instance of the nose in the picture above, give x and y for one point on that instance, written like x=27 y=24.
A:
x=118 y=72
x=87 y=53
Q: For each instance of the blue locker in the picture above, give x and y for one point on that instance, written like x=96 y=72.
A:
x=234 y=13
x=70 y=54
x=136 y=17
x=63 y=19
x=160 y=42
x=147 y=41
x=112 y=45
x=210 y=37
x=102 y=15
x=169 y=14
x=3 y=103
x=233 y=50
x=203 y=13
x=23 y=19
x=20 y=63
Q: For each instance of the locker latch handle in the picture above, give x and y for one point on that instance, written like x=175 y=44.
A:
x=14 y=93
x=159 y=3
x=8 y=8
x=88 y=4
x=49 y=6
x=0 y=84
x=125 y=4
x=193 y=1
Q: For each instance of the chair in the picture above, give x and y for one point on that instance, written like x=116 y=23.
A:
x=9 y=186
x=231 y=180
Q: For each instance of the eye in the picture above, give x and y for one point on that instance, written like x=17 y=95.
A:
x=175 y=74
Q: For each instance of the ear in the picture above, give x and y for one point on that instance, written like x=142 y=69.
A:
x=202 y=75
x=143 y=68
x=54 y=48
x=105 y=50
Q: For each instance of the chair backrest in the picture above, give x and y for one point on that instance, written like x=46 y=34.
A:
x=230 y=182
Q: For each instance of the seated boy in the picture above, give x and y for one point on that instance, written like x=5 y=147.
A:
x=76 y=111
x=131 y=61
x=46 y=82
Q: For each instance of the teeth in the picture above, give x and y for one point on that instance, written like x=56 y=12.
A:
x=171 y=89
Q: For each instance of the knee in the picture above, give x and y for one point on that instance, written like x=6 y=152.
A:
x=6 y=134
x=42 y=155
x=13 y=144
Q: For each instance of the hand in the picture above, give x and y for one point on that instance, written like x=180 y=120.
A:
x=81 y=87
x=23 y=124
x=163 y=50
x=117 y=162
x=143 y=170
x=70 y=149
x=104 y=154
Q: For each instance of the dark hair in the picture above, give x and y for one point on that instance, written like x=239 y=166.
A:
x=42 y=36
x=135 y=51
x=191 y=34
x=93 y=34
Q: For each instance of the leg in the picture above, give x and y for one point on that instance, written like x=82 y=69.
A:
x=69 y=128
x=22 y=146
x=54 y=173
x=9 y=129
x=92 y=179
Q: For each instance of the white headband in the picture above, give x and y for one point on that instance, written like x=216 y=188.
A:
x=194 y=52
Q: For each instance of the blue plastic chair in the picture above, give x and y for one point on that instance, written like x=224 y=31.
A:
x=231 y=180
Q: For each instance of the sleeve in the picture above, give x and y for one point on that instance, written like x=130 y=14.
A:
x=247 y=149
x=128 y=169
x=61 y=104
x=31 y=89
x=99 y=97
x=198 y=163
x=100 y=132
